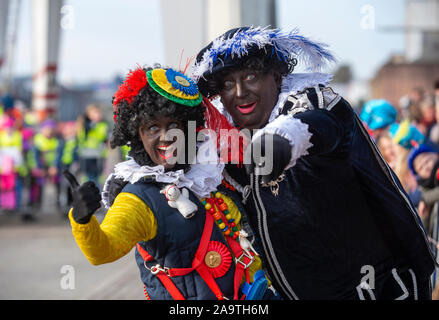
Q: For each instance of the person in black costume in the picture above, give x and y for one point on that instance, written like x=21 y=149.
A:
x=331 y=216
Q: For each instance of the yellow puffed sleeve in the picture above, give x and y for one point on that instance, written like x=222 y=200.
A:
x=128 y=221
x=236 y=214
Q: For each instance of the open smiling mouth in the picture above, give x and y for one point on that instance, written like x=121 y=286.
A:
x=246 y=108
x=166 y=151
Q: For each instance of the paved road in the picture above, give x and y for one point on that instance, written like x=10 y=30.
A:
x=32 y=256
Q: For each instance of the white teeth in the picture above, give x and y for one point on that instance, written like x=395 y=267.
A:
x=165 y=148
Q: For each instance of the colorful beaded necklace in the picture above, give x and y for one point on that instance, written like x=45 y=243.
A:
x=216 y=206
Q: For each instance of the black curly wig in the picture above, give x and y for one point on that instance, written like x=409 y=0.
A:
x=147 y=105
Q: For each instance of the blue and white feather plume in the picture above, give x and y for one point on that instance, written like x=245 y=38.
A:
x=283 y=44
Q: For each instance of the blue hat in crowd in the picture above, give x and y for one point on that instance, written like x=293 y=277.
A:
x=7 y=101
x=416 y=152
x=378 y=114
x=406 y=134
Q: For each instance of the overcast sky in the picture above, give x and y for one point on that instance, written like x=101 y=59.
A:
x=108 y=37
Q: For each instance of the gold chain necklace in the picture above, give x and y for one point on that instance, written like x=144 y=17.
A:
x=274 y=184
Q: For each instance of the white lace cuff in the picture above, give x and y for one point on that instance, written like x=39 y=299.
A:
x=292 y=129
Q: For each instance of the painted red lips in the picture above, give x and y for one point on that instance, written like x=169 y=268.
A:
x=246 y=108
x=166 y=151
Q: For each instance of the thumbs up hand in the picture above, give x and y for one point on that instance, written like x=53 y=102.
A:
x=86 y=198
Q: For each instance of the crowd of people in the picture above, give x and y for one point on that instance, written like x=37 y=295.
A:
x=408 y=139
x=400 y=133
x=34 y=152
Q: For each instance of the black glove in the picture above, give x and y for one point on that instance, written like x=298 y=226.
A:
x=86 y=198
x=281 y=156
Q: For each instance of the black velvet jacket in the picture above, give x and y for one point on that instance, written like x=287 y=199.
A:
x=338 y=210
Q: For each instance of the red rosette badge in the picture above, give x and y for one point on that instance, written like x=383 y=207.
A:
x=218 y=259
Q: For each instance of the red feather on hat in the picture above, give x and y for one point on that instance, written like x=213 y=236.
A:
x=134 y=82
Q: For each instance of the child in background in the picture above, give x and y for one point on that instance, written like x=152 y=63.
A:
x=69 y=160
x=428 y=119
x=424 y=163
x=377 y=116
x=92 y=138
x=45 y=161
x=406 y=136
x=434 y=132
x=388 y=149
x=11 y=164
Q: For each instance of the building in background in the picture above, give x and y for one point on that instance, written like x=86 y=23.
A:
x=204 y=20
x=4 y=10
x=72 y=99
x=356 y=91
x=189 y=25
x=201 y=21
x=42 y=91
x=418 y=66
x=46 y=35
x=422 y=31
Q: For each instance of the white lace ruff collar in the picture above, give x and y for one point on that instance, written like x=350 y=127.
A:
x=202 y=178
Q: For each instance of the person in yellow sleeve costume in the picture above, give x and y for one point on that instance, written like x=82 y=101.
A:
x=184 y=223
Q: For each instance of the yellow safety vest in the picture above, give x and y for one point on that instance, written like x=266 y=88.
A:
x=14 y=140
x=94 y=140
